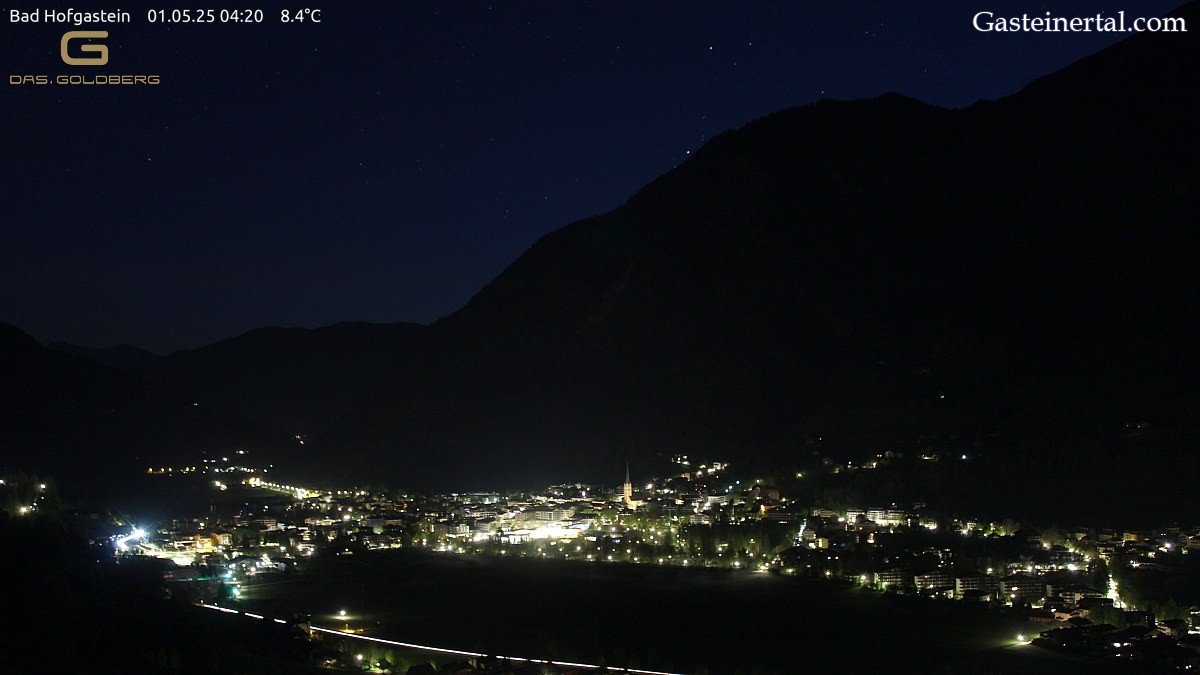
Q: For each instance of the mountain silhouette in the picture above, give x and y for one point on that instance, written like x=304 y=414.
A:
x=89 y=424
x=1015 y=277
x=124 y=357
x=295 y=379
x=1013 y=280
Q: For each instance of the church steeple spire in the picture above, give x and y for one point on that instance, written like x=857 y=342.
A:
x=627 y=490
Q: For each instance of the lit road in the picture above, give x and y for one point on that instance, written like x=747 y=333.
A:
x=437 y=650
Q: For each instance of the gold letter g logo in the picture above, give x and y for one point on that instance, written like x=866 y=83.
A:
x=101 y=50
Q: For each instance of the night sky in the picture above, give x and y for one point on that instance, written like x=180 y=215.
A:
x=387 y=163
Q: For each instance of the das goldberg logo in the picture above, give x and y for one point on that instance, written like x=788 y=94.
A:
x=81 y=48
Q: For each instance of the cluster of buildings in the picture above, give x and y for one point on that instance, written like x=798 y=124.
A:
x=702 y=516
x=1071 y=581
x=1168 y=644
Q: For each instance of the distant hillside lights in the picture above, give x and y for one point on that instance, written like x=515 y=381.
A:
x=208 y=465
x=21 y=497
x=163 y=470
x=702 y=470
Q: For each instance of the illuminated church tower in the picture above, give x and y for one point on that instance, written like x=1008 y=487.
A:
x=627 y=491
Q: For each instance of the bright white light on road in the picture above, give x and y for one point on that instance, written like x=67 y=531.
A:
x=123 y=542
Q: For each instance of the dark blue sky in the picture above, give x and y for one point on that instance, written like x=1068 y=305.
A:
x=386 y=164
